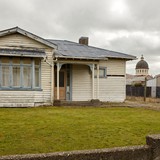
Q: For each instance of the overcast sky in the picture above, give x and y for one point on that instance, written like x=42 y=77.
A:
x=128 y=26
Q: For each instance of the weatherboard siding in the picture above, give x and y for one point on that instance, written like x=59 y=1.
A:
x=111 y=88
x=81 y=83
x=116 y=67
x=18 y=41
x=28 y=98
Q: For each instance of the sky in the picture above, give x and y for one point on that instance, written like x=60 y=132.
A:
x=127 y=26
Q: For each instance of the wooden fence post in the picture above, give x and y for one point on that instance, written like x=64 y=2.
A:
x=145 y=88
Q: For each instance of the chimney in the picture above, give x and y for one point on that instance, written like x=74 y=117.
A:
x=83 y=40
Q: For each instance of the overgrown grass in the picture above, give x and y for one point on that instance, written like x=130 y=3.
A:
x=37 y=130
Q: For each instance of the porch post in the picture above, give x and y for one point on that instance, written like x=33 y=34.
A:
x=97 y=81
x=57 y=81
x=52 y=83
x=92 y=81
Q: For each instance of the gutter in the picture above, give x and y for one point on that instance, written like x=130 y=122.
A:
x=83 y=58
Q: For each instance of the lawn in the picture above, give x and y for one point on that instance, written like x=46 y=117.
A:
x=47 y=129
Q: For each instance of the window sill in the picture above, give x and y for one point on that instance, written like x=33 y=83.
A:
x=20 y=89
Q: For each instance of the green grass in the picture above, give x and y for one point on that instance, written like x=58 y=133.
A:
x=42 y=130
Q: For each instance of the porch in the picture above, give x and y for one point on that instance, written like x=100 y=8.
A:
x=75 y=80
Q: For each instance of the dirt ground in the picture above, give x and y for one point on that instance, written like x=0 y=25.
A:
x=138 y=102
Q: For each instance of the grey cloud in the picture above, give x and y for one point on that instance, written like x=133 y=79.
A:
x=70 y=19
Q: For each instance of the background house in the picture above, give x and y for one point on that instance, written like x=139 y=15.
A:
x=155 y=86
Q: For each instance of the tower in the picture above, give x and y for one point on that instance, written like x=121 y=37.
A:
x=142 y=67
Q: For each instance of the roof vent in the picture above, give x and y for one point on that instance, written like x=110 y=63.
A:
x=84 y=40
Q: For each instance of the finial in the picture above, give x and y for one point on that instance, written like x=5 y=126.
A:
x=142 y=58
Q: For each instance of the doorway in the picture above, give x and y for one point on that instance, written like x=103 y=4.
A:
x=64 y=83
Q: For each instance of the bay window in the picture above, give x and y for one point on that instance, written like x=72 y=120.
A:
x=19 y=73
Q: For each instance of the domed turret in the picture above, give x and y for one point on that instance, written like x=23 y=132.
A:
x=142 y=67
x=142 y=64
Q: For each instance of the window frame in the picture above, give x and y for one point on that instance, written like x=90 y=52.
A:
x=21 y=65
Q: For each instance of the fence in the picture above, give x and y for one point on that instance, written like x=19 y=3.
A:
x=137 y=91
x=150 y=151
x=157 y=92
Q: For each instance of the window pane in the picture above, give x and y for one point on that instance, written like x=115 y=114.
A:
x=16 y=60
x=5 y=60
x=102 y=72
x=37 y=77
x=5 y=76
x=27 y=61
x=26 y=76
x=37 y=61
x=16 y=76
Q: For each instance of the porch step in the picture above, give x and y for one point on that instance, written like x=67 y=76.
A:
x=93 y=102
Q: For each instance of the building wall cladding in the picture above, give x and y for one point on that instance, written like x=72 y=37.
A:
x=151 y=151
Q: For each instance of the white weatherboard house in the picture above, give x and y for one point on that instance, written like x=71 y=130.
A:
x=35 y=71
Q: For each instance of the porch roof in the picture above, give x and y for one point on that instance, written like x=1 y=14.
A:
x=68 y=49
x=25 y=53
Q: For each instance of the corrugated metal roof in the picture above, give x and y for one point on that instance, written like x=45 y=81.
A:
x=75 y=50
x=18 y=52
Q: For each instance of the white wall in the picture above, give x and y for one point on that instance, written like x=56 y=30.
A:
x=151 y=83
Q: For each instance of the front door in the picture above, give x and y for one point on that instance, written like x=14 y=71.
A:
x=62 y=85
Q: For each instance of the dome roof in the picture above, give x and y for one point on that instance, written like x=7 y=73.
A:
x=142 y=64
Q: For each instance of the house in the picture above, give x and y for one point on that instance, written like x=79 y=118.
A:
x=155 y=86
x=35 y=71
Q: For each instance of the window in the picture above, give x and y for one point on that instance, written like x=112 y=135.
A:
x=102 y=72
x=19 y=73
